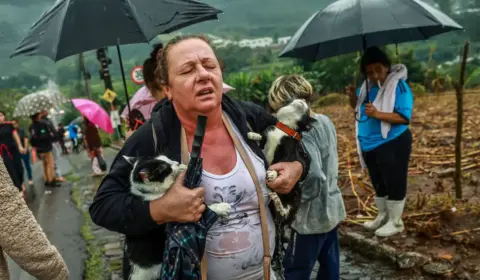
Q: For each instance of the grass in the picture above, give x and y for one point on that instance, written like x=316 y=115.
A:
x=94 y=265
x=76 y=196
x=73 y=178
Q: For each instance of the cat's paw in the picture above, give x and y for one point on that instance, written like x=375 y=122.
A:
x=222 y=209
x=182 y=167
x=271 y=175
x=254 y=136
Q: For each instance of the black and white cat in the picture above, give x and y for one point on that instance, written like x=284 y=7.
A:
x=282 y=143
x=150 y=179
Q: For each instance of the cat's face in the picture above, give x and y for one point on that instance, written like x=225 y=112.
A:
x=295 y=115
x=152 y=177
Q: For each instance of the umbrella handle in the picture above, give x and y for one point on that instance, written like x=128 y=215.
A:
x=123 y=76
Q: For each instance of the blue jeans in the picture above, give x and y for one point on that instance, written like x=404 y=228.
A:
x=28 y=167
x=304 y=250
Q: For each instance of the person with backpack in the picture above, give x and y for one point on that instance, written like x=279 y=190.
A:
x=41 y=138
x=73 y=134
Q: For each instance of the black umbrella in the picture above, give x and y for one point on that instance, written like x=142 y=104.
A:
x=186 y=241
x=73 y=26
x=354 y=25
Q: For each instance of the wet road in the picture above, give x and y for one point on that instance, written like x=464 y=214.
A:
x=60 y=220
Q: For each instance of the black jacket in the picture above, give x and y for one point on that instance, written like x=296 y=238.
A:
x=116 y=209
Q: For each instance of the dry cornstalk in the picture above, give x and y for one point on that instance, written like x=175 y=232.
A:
x=473 y=153
x=459 y=232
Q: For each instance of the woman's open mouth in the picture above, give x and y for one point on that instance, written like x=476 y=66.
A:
x=205 y=92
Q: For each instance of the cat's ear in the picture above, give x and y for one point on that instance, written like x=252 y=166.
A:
x=130 y=160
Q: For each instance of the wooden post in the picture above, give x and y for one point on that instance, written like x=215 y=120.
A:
x=86 y=75
x=458 y=139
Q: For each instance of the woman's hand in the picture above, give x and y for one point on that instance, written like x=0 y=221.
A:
x=370 y=110
x=179 y=204
x=129 y=133
x=288 y=175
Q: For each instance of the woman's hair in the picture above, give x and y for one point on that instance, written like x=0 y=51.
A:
x=374 y=55
x=3 y=113
x=35 y=117
x=286 y=88
x=162 y=66
x=135 y=115
x=86 y=121
x=150 y=66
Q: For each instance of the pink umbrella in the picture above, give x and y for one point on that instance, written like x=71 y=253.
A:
x=94 y=113
x=144 y=102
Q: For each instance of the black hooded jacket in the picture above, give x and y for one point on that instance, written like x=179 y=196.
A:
x=116 y=209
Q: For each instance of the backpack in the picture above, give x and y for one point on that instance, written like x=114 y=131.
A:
x=40 y=133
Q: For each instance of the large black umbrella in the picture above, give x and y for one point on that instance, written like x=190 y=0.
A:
x=73 y=26
x=353 y=25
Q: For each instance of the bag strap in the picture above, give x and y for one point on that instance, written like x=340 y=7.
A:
x=263 y=212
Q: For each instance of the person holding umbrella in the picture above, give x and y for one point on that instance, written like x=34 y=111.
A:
x=93 y=144
x=384 y=141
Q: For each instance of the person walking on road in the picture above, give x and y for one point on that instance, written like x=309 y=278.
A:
x=25 y=157
x=41 y=138
x=11 y=149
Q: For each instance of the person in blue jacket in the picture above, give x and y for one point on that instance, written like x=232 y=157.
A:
x=384 y=143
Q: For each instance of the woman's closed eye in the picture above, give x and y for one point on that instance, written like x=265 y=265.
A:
x=186 y=70
x=210 y=65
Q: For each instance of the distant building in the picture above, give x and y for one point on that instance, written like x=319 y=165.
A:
x=256 y=43
x=283 y=40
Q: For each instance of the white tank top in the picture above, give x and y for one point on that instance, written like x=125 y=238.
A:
x=234 y=244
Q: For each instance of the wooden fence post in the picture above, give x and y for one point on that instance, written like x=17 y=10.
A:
x=458 y=139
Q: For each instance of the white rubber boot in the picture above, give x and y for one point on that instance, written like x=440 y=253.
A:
x=381 y=203
x=395 y=223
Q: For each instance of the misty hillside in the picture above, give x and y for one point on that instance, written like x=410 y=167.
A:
x=241 y=19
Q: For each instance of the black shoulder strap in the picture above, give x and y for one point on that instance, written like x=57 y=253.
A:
x=156 y=127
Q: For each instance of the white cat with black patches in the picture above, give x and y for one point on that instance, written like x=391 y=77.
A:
x=150 y=179
x=282 y=144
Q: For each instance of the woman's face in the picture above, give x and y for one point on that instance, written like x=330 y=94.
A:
x=377 y=72
x=2 y=118
x=195 y=78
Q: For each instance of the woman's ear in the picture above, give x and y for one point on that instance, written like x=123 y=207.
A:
x=167 y=91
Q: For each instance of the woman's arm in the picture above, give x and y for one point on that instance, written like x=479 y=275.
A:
x=114 y=207
x=19 y=143
x=25 y=143
x=392 y=118
x=402 y=109
x=23 y=239
x=117 y=209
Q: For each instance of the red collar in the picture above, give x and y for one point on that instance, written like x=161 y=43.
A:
x=290 y=132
